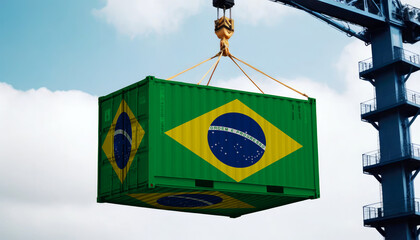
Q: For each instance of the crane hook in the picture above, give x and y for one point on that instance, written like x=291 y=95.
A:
x=224 y=26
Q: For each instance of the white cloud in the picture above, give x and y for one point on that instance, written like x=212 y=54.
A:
x=48 y=175
x=414 y=3
x=46 y=134
x=257 y=12
x=142 y=17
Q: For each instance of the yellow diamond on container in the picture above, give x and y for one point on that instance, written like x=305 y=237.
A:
x=123 y=140
x=234 y=139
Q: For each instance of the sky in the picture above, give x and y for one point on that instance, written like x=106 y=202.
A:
x=57 y=57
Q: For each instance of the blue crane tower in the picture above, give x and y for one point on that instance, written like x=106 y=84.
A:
x=386 y=24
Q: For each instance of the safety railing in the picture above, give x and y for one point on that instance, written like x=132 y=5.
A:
x=415 y=150
x=374 y=157
x=377 y=210
x=371 y=158
x=372 y=211
x=399 y=53
x=413 y=97
x=370 y=105
x=365 y=65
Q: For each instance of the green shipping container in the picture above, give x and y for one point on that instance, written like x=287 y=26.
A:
x=191 y=148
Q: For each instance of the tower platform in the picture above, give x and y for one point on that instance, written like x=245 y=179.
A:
x=375 y=215
x=408 y=104
x=407 y=62
x=373 y=165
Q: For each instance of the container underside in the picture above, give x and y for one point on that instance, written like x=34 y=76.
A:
x=206 y=202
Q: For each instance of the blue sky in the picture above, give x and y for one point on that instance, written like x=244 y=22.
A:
x=63 y=45
x=57 y=57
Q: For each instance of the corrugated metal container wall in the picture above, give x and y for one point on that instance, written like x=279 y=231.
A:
x=185 y=147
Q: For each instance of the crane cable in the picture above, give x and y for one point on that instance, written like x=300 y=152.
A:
x=214 y=69
x=303 y=94
x=230 y=56
x=213 y=66
x=191 y=67
x=224 y=28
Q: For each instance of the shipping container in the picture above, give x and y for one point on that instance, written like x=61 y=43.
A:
x=185 y=147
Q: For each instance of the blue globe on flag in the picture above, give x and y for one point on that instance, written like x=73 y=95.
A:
x=189 y=200
x=236 y=140
x=122 y=140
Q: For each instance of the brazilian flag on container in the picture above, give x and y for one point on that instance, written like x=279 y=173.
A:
x=235 y=139
x=185 y=147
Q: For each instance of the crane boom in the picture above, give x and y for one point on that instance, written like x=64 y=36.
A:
x=366 y=15
x=369 y=14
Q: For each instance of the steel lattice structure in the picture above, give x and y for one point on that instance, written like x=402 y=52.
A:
x=387 y=24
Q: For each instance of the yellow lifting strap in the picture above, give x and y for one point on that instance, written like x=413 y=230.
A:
x=213 y=66
x=224 y=28
x=230 y=56
x=214 y=69
x=174 y=76
x=303 y=94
